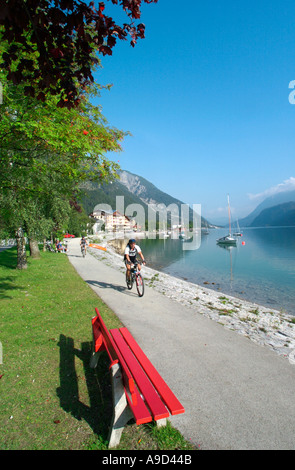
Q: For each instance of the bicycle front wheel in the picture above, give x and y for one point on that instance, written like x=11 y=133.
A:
x=129 y=281
x=139 y=284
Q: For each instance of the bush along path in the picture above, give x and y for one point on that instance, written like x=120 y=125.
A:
x=50 y=398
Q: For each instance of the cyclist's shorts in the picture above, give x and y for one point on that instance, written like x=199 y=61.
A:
x=133 y=260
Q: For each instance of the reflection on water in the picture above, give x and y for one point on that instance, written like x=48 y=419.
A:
x=162 y=253
x=261 y=268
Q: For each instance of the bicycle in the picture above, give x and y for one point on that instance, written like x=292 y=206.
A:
x=83 y=250
x=49 y=247
x=135 y=276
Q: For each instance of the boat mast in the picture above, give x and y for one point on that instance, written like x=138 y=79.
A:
x=228 y=214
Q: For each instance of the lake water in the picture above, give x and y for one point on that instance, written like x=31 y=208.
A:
x=261 y=268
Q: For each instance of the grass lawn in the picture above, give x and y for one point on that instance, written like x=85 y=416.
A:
x=50 y=398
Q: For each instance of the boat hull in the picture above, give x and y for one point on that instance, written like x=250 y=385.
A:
x=227 y=241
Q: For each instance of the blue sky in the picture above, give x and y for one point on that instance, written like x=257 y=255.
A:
x=205 y=96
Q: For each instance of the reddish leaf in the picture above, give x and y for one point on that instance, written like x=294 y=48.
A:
x=57 y=30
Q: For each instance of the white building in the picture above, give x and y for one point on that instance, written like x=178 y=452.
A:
x=112 y=221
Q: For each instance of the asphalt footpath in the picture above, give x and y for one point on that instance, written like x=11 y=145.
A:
x=237 y=395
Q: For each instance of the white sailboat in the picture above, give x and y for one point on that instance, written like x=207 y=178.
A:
x=228 y=239
x=238 y=233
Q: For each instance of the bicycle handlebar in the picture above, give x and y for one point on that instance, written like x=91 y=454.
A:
x=134 y=265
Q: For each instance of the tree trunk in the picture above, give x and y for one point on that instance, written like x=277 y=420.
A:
x=21 y=249
x=34 y=248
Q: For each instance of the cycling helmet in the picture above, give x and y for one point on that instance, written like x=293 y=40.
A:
x=131 y=241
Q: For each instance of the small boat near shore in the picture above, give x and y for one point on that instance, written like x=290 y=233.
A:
x=228 y=239
x=238 y=233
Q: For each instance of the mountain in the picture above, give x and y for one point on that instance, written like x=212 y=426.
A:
x=280 y=215
x=95 y=193
x=134 y=188
x=146 y=191
x=272 y=201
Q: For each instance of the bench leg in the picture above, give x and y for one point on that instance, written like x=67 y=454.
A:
x=161 y=422
x=94 y=360
x=122 y=413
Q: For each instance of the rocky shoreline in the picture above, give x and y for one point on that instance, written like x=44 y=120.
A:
x=260 y=324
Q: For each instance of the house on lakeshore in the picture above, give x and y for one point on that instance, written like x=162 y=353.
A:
x=112 y=221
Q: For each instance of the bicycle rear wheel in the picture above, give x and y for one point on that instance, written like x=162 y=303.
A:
x=139 y=284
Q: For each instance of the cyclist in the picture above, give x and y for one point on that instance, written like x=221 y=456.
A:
x=131 y=251
x=83 y=244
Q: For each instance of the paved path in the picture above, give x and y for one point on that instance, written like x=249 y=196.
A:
x=6 y=247
x=237 y=395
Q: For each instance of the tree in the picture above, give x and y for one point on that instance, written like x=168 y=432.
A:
x=79 y=222
x=45 y=152
x=74 y=142
x=32 y=206
x=51 y=136
x=52 y=45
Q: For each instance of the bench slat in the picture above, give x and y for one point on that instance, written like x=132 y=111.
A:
x=99 y=326
x=98 y=342
x=154 y=402
x=172 y=403
x=140 y=412
x=104 y=341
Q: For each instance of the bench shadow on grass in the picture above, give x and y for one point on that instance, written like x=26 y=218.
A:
x=98 y=413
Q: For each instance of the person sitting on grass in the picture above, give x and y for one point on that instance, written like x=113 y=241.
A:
x=59 y=246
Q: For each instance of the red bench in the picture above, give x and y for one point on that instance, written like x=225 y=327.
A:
x=139 y=391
